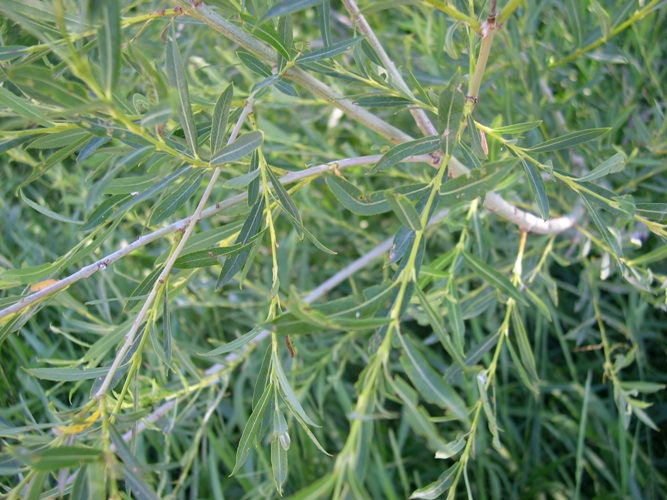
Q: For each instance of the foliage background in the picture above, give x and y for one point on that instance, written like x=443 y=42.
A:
x=574 y=402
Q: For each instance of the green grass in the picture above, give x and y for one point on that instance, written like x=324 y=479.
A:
x=482 y=352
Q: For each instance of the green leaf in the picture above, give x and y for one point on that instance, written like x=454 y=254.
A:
x=68 y=374
x=166 y=326
x=610 y=166
x=27 y=275
x=59 y=139
x=244 y=339
x=288 y=393
x=63 y=457
x=251 y=431
x=104 y=210
x=477 y=183
x=254 y=64
x=242 y=180
x=525 y=350
x=475 y=140
x=278 y=464
x=602 y=228
x=140 y=489
x=176 y=74
x=569 y=140
x=232 y=264
x=143 y=288
x=493 y=277
x=518 y=128
x=537 y=187
x=450 y=112
x=454 y=314
x=22 y=107
x=220 y=117
x=46 y=212
x=286 y=7
x=285 y=201
x=404 y=210
x=488 y=410
x=324 y=17
x=41 y=84
x=329 y=51
x=438 y=327
x=109 y=43
x=269 y=34
x=439 y=487
x=428 y=382
x=242 y=146
x=402 y=151
x=382 y=101
x=209 y=257
x=176 y=199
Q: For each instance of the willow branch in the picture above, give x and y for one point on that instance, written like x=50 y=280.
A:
x=106 y=261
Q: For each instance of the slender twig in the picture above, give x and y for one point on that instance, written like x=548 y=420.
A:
x=189 y=229
x=358 y=18
x=106 y=261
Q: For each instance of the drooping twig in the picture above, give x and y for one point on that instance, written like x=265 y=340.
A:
x=189 y=229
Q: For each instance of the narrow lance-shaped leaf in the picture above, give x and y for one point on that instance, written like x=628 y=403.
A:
x=604 y=231
x=450 y=112
x=242 y=146
x=429 y=383
x=610 y=166
x=236 y=343
x=518 y=128
x=278 y=464
x=252 y=428
x=220 y=117
x=289 y=397
x=404 y=210
x=569 y=140
x=176 y=74
x=269 y=34
x=328 y=51
x=286 y=7
x=324 y=17
x=493 y=277
x=249 y=229
x=286 y=202
x=537 y=187
x=475 y=139
x=176 y=199
x=406 y=149
x=382 y=101
x=108 y=43
x=166 y=325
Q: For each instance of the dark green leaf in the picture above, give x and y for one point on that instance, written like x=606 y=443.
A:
x=610 y=166
x=493 y=277
x=518 y=127
x=59 y=139
x=220 y=117
x=176 y=74
x=46 y=212
x=108 y=42
x=288 y=393
x=475 y=140
x=404 y=210
x=450 y=112
x=382 y=101
x=285 y=7
x=254 y=64
x=604 y=231
x=406 y=149
x=235 y=344
x=251 y=431
x=324 y=17
x=209 y=257
x=250 y=227
x=278 y=464
x=104 y=211
x=22 y=107
x=429 y=383
x=176 y=199
x=328 y=51
x=269 y=34
x=477 y=183
x=68 y=374
x=242 y=146
x=569 y=140
x=64 y=456
x=140 y=489
x=286 y=202
x=525 y=350
x=537 y=187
